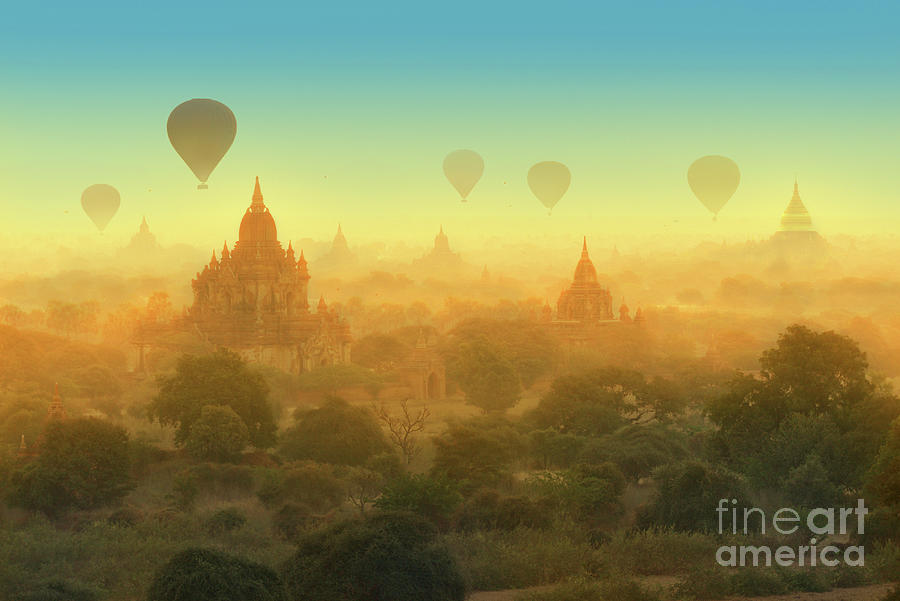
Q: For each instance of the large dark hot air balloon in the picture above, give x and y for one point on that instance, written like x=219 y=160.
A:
x=100 y=202
x=201 y=132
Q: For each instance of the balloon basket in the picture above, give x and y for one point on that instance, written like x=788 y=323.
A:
x=202 y=187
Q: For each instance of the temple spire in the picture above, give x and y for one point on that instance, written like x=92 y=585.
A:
x=584 y=250
x=257 y=204
x=56 y=409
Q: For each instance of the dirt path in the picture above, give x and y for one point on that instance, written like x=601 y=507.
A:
x=873 y=592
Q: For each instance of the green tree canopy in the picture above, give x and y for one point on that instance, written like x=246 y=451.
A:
x=209 y=575
x=223 y=379
x=486 y=373
x=387 y=557
x=82 y=463
x=219 y=434
x=336 y=432
x=600 y=401
x=478 y=452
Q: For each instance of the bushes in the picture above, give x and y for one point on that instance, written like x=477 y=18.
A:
x=657 y=552
x=489 y=510
x=291 y=520
x=307 y=483
x=206 y=575
x=497 y=559
x=687 y=495
x=432 y=498
x=84 y=463
x=477 y=452
x=225 y=520
x=335 y=433
x=57 y=590
x=388 y=557
x=219 y=434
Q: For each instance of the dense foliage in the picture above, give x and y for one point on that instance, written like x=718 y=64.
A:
x=219 y=379
x=387 y=557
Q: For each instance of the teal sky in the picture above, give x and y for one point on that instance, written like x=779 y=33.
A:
x=346 y=111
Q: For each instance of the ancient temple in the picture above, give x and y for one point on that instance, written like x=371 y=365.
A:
x=253 y=299
x=585 y=300
x=796 y=224
x=424 y=371
x=339 y=257
x=441 y=259
x=56 y=411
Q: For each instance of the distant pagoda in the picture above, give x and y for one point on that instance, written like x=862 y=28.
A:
x=796 y=223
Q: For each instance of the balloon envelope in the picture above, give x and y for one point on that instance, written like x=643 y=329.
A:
x=201 y=132
x=548 y=181
x=463 y=169
x=100 y=202
x=714 y=179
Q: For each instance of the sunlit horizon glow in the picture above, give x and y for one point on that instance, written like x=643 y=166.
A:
x=347 y=115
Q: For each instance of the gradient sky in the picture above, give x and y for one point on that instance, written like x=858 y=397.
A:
x=346 y=110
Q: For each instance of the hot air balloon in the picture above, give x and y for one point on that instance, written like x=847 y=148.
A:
x=713 y=179
x=463 y=169
x=548 y=181
x=100 y=202
x=201 y=132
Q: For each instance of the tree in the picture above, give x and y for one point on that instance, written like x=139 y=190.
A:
x=363 y=486
x=487 y=376
x=222 y=379
x=335 y=433
x=209 y=575
x=404 y=427
x=883 y=479
x=688 y=493
x=433 y=498
x=83 y=463
x=816 y=372
x=387 y=557
x=813 y=396
x=524 y=342
x=477 y=452
x=219 y=434
x=599 y=401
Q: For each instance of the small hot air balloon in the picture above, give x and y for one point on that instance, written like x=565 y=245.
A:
x=463 y=169
x=201 y=132
x=100 y=202
x=713 y=179
x=548 y=181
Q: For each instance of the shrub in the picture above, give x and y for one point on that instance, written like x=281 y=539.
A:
x=308 y=483
x=225 y=520
x=335 y=433
x=499 y=559
x=291 y=520
x=58 y=591
x=478 y=452
x=703 y=584
x=219 y=434
x=490 y=510
x=125 y=517
x=687 y=495
x=207 y=575
x=388 y=557
x=658 y=552
x=432 y=498
x=84 y=463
